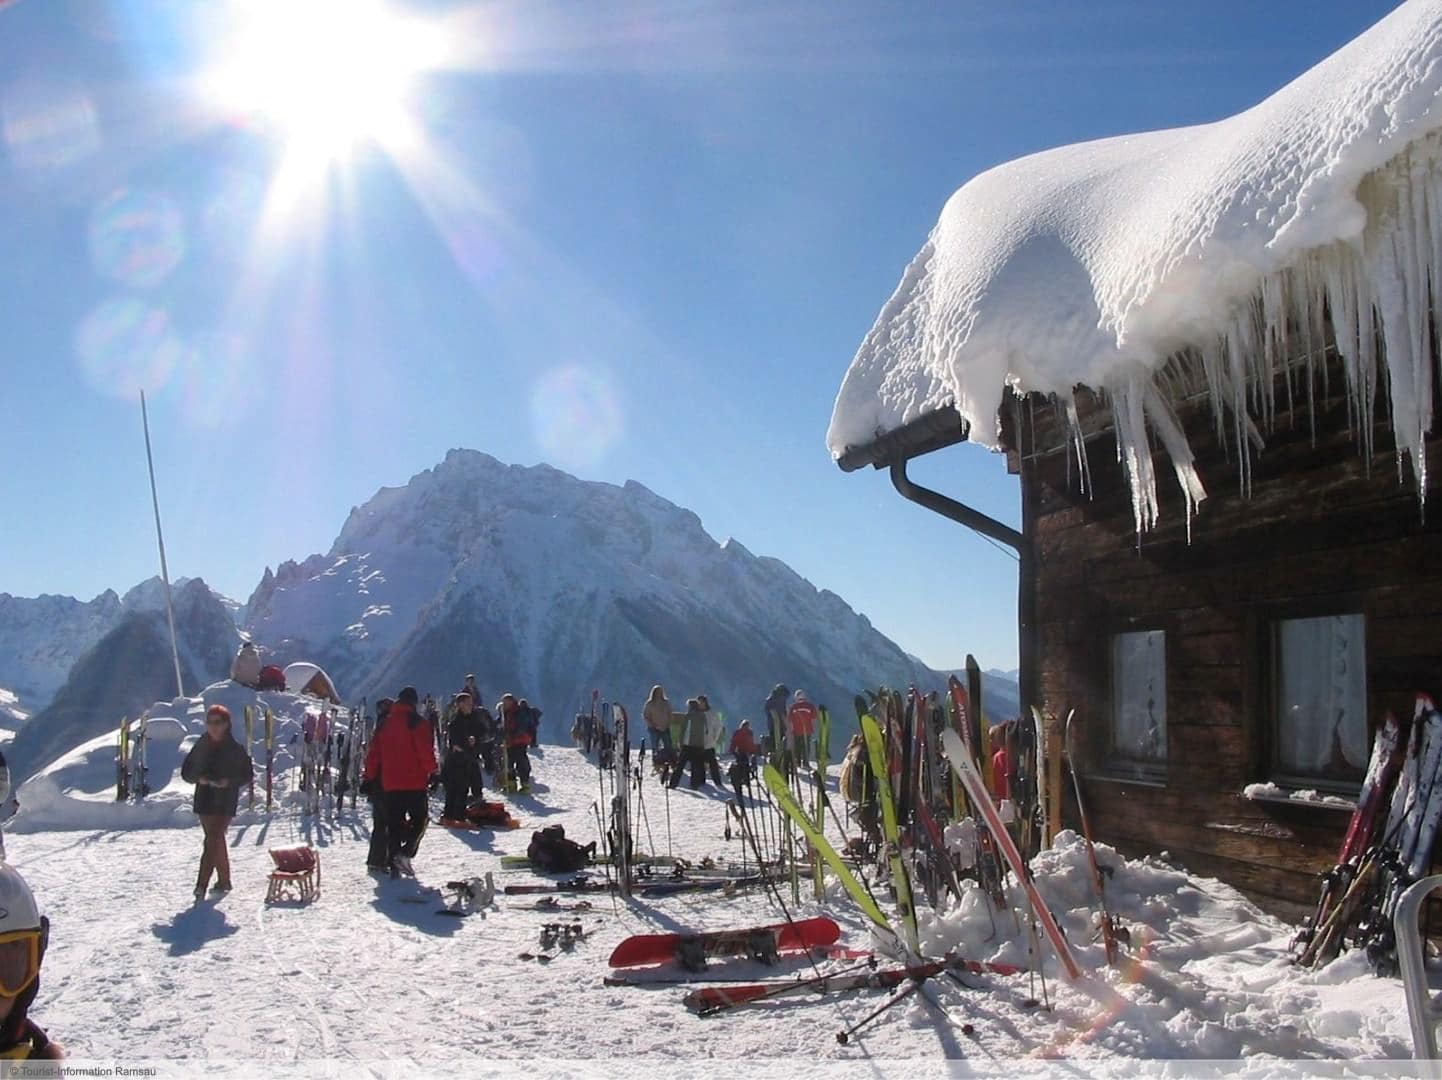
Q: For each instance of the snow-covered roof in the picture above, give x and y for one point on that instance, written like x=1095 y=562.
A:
x=1093 y=264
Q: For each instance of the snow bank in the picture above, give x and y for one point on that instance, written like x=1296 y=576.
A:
x=77 y=791
x=1206 y=974
x=1219 y=245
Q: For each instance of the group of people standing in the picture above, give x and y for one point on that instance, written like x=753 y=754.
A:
x=402 y=767
x=689 y=741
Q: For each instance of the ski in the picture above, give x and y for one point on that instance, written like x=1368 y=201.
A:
x=1039 y=768
x=574 y=885
x=1108 y=921
x=249 y=734
x=142 y=787
x=723 y=885
x=1376 y=789
x=621 y=805
x=976 y=791
x=777 y=783
x=707 y=1000
x=900 y=879
x=269 y=754
x=692 y=950
x=122 y=761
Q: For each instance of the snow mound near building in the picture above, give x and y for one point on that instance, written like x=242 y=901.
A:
x=1095 y=264
x=77 y=790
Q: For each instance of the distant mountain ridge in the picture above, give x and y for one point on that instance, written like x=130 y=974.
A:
x=542 y=584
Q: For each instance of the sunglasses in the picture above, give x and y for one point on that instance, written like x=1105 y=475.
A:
x=19 y=960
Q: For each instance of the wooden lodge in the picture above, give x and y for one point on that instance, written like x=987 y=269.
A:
x=1263 y=649
x=1228 y=673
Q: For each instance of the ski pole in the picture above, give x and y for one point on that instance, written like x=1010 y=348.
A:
x=668 y=820
x=844 y=1037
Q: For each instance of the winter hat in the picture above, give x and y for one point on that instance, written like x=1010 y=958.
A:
x=463 y=694
x=408 y=696
x=780 y=688
x=801 y=695
x=218 y=710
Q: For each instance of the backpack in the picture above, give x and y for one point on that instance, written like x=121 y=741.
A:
x=492 y=814
x=271 y=678
x=855 y=772
x=551 y=853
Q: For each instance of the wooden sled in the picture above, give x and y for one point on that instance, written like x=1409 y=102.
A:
x=296 y=875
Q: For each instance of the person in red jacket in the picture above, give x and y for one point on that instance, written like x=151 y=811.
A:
x=801 y=723
x=744 y=748
x=403 y=755
x=517 y=733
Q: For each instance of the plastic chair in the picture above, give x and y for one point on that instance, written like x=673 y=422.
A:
x=1422 y=1011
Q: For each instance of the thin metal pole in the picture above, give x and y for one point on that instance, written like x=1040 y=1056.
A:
x=160 y=539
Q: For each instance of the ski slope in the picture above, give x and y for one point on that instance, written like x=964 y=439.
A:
x=370 y=974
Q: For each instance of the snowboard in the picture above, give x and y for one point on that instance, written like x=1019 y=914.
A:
x=692 y=950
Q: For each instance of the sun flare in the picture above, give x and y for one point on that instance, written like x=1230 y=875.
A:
x=325 y=75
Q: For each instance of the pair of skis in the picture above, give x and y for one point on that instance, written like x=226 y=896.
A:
x=710 y=1000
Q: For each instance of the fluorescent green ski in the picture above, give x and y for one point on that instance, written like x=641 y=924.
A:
x=900 y=879
x=777 y=783
x=823 y=739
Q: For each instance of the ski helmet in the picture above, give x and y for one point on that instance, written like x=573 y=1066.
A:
x=18 y=910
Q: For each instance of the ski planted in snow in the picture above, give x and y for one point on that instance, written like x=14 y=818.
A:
x=976 y=791
x=900 y=877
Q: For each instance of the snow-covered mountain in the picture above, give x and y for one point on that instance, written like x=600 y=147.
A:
x=129 y=667
x=548 y=586
x=41 y=638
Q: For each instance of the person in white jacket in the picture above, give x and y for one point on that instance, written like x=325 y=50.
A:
x=246 y=668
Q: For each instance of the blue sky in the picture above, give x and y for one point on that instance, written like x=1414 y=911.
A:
x=639 y=241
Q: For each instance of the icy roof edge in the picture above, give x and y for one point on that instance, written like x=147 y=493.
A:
x=1094 y=264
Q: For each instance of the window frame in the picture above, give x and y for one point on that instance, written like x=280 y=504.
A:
x=1116 y=765
x=1272 y=768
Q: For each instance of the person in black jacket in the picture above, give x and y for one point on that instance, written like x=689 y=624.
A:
x=378 y=854
x=462 y=768
x=219 y=767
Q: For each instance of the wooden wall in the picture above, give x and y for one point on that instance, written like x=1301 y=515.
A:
x=1324 y=530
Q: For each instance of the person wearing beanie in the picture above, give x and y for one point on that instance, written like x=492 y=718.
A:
x=24 y=936
x=219 y=767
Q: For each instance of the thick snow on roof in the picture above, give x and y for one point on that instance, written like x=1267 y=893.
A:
x=1093 y=264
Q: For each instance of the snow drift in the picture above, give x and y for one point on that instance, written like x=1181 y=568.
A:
x=1218 y=246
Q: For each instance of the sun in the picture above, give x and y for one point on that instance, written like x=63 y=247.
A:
x=324 y=75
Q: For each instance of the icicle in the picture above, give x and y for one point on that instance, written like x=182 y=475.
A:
x=1078 y=441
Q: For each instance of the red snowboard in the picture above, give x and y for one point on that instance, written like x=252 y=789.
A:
x=692 y=950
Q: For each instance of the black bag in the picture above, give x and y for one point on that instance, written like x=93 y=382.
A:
x=551 y=853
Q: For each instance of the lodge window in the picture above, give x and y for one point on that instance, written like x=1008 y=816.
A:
x=1139 y=703
x=1320 y=714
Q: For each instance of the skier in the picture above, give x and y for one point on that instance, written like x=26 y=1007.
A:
x=657 y=714
x=693 y=746
x=743 y=748
x=715 y=736
x=403 y=757
x=531 y=722
x=378 y=854
x=513 y=730
x=246 y=667
x=471 y=688
x=1000 y=763
x=24 y=935
x=801 y=723
x=462 y=765
x=219 y=767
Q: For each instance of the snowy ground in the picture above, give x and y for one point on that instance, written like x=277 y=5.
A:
x=370 y=974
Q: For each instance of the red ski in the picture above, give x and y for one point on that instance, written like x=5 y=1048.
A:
x=693 y=950
x=955 y=752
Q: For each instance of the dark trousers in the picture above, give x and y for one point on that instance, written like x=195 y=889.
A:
x=405 y=821
x=695 y=758
x=463 y=778
x=520 y=762
x=379 y=854
x=214 y=855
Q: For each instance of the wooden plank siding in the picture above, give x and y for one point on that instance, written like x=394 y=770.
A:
x=1324 y=531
